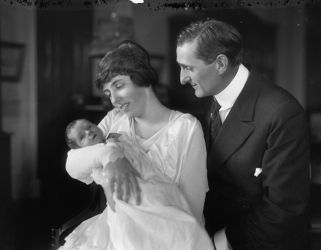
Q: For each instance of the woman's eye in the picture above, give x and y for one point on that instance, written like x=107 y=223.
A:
x=118 y=86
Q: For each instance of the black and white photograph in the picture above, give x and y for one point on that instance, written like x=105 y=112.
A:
x=160 y=125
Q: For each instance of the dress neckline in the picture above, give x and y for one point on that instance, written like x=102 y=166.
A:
x=140 y=139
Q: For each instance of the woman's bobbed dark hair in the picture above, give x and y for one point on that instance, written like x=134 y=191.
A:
x=129 y=59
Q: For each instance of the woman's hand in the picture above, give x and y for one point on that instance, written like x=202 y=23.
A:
x=122 y=179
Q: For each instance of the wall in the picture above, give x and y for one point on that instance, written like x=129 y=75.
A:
x=152 y=32
x=150 y=27
x=291 y=47
x=19 y=107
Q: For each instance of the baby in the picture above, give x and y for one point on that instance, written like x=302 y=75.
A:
x=163 y=220
x=81 y=133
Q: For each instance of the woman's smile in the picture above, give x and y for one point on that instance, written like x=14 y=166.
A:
x=123 y=107
x=194 y=85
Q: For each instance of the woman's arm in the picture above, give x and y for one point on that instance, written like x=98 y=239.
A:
x=193 y=178
x=121 y=175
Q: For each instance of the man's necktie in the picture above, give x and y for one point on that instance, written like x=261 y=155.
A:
x=215 y=121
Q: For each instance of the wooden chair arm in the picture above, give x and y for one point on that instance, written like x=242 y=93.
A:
x=95 y=206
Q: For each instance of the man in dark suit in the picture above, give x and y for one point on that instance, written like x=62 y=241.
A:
x=258 y=147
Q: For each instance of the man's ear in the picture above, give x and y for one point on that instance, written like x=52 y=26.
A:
x=221 y=63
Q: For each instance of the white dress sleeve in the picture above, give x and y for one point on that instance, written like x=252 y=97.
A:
x=88 y=164
x=106 y=122
x=115 y=121
x=81 y=161
x=193 y=172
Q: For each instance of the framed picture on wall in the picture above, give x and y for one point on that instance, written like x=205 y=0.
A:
x=11 y=60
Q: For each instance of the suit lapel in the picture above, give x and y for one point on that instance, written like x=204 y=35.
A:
x=238 y=125
x=207 y=123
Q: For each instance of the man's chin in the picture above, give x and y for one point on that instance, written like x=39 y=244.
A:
x=198 y=94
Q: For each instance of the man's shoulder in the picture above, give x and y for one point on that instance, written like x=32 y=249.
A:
x=274 y=102
x=268 y=93
x=268 y=90
x=268 y=99
x=278 y=96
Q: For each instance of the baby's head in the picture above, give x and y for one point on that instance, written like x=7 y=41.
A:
x=81 y=133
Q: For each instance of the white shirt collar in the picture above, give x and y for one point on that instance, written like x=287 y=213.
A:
x=228 y=96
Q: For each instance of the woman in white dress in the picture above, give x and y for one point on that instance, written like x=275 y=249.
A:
x=174 y=141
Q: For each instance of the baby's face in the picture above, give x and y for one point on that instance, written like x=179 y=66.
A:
x=85 y=133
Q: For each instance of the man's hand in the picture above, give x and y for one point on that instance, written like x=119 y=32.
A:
x=122 y=179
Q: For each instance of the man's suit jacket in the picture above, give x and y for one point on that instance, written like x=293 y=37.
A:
x=266 y=130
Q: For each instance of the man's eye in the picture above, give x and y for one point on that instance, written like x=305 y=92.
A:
x=187 y=68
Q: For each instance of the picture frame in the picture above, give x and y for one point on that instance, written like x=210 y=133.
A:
x=11 y=61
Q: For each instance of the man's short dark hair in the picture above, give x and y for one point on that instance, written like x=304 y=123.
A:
x=213 y=38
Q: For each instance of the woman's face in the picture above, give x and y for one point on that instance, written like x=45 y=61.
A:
x=126 y=96
x=85 y=133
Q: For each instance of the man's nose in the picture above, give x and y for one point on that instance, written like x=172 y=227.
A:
x=184 y=78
